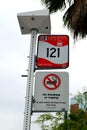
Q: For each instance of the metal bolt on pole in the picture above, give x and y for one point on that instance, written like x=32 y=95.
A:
x=29 y=90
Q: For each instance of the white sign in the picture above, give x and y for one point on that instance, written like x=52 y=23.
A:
x=53 y=51
x=51 y=91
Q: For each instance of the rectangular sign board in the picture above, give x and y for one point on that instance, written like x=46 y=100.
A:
x=53 y=51
x=51 y=91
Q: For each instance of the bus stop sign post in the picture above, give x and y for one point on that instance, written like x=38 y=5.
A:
x=29 y=90
x=32 y=22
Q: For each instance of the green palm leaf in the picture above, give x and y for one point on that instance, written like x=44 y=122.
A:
x=54 y=5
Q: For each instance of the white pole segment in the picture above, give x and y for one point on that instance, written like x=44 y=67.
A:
x=29 y=90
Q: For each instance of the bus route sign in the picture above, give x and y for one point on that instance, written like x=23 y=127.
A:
x=53 y=51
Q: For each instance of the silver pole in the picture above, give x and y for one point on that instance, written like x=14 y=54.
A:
x=29 y=89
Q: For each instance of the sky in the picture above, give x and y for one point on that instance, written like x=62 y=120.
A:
x=14 y=49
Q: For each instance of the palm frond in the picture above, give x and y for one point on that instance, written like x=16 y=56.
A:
x=54 y=5
x=75 y=18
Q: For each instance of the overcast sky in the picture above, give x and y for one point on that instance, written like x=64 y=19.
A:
x=14 y=49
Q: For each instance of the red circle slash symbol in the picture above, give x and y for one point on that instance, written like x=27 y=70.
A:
x=52 y=81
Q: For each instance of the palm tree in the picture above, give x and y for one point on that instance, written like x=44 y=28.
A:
x=75 y=18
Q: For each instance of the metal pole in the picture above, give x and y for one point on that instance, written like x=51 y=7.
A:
x=65 y=120
x=29 y=89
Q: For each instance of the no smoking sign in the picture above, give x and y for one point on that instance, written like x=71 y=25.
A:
x=52 y=81
x=51 y=91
